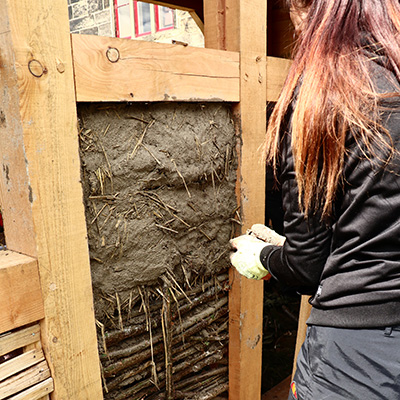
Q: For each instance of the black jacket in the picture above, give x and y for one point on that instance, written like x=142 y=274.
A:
x=350 y=266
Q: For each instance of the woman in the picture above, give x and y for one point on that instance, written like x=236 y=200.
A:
x=334 y=141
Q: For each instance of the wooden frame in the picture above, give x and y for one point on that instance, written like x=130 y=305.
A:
x=40 y=189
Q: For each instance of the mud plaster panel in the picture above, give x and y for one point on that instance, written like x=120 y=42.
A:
x=159 y=190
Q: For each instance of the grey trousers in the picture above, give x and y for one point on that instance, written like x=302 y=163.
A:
x=348 y=364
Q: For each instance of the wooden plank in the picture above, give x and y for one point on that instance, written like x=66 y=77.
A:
x=215 y=24
x=20 y=293
x=246 y=296
x=21 y=338
x=24 y=380
x=15 y=191
x=37 y=392
x=305 y=310
x=277 y=70
x=246 y=313
x=19 y=363
x=147 y=71
x=279 y=392
x=42 y=115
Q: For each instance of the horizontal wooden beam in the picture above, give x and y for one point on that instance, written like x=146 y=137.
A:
x=20 y=293
x=112 y=69
x=277 y=71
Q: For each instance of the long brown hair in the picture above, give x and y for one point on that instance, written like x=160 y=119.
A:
x=331 y=90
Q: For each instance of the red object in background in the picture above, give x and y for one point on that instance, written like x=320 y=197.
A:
x=1 y=221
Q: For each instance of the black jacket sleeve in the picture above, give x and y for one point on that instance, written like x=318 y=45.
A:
x=299 y=263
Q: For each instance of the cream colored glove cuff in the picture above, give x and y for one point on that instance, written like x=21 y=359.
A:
x=246 y=258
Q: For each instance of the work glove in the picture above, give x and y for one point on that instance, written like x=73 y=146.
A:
x=246 y=258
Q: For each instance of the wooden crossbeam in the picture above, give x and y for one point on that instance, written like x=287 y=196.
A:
x=20 y=293
x=112 y=69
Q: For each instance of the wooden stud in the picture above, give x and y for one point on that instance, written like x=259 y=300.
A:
x=246 y=296
x=112 y=69
x=305 y=310
x=215 y=28
x=20 y=293
x=41 y=125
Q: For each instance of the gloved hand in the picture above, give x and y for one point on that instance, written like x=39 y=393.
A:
x=246 y=258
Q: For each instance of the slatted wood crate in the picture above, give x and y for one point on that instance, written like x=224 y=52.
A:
x=24 y=372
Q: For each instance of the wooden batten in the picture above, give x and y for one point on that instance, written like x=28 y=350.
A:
x=20 y=293
x=19 y=363
x=112 y=69
x=37 y=392
x=24 y=379
x=21 y=338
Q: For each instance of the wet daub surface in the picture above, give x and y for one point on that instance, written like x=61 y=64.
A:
x=159 y=190
x=159 y=185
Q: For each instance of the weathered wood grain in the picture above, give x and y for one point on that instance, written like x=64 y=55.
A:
x=148 y=71
x=20 y=293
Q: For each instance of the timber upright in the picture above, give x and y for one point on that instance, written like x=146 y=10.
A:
x=41 y=193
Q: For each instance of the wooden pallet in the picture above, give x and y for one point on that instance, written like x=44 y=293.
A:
x=24 y=372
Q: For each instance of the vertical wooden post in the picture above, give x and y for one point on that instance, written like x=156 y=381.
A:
x=305 y=310
x=244 y=30
x=40 y=188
